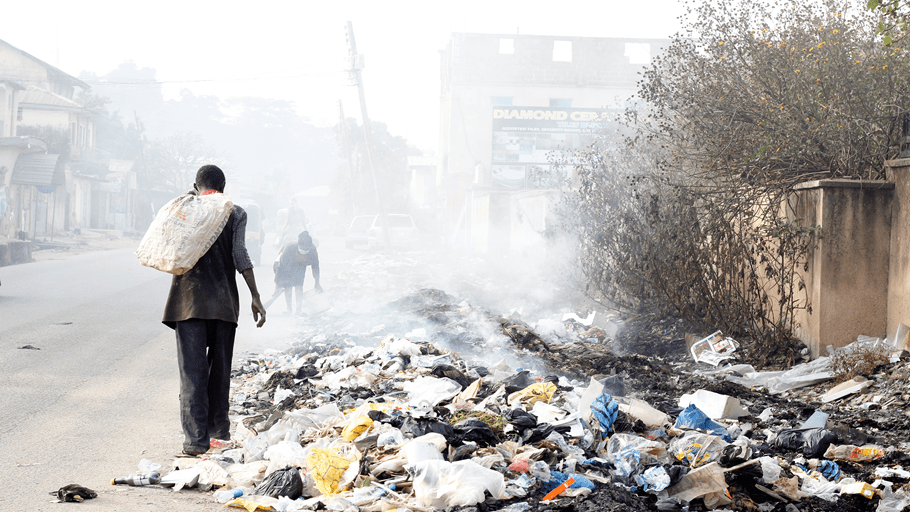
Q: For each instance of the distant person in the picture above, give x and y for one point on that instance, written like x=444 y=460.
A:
x=290 y=271
x=295 y=223
x=203 y=308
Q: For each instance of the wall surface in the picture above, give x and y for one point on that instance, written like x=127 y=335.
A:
x=849 y=264
x=899 y=271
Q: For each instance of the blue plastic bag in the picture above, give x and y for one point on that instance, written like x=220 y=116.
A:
x=557 y=478
x=693 y=418
x=605 y=410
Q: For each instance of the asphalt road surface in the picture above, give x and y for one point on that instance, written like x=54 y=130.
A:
x=88 y=377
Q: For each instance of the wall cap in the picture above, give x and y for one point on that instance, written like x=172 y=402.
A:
x=844 y=183
x=898 y=162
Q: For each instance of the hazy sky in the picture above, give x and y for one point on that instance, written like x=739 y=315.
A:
x=295 y=49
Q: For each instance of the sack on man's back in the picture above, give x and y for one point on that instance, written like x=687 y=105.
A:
x=182 y=232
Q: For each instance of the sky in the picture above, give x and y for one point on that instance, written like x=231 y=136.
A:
x=295 y=50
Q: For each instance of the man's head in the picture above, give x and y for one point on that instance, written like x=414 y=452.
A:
x=209 y=177
x=304 y=243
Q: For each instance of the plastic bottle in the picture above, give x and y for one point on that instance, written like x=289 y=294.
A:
x=138 y=479
x=224 y=496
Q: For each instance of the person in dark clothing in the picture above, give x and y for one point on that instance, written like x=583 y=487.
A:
x=290 y=270
x=203 y=308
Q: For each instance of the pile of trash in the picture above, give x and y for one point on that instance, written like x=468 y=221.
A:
x=420 y=401
x=407 y=424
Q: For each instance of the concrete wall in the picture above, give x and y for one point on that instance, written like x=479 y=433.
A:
x=58 y=119
x=848 y=276
x=899 y=271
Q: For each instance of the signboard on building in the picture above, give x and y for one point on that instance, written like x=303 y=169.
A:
x=524 y=138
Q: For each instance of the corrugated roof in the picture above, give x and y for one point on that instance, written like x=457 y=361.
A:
x=38 y=169
x=34 y=97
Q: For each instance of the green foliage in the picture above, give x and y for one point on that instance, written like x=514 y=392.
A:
x=894 y=17
x=777 y=93
x=689 y=209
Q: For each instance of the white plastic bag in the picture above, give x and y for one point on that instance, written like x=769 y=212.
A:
x=182 y=232
x=442 y=484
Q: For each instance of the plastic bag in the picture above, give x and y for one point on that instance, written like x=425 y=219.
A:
x=854 y=453
x=327 y=468
x=541 y=391
x=285 y=453
x=356 y=428
x=654 y=479
x=557 y=478
x=519 y=381
x=473 y=430
x=692 y=417
x=183 y=230
x=605 y=411
x=626 y=461
x=442 y=484
x=520 y=418
x=416 y=451
x=284 y=482
x=893 y=501
x=697 y=449
x=652 y=452
x=812 y=441
x=422 y=426
x=427 y=392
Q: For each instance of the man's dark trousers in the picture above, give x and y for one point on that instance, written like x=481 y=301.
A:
x=204 y=351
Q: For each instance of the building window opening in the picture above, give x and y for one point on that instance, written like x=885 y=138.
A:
x=560 y=102
x=562 y=51
x=506 y=46
x=502 y=101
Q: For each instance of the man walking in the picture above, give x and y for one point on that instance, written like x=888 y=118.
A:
x=203 y=308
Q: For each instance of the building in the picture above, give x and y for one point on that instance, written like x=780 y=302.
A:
x=66 y=184
x=507 y=102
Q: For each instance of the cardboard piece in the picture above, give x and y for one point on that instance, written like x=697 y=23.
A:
x=854 y=385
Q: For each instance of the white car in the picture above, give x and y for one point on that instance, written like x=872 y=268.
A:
x=402 y=230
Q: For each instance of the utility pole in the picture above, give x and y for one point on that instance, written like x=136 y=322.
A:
x=355 y=66
x=346 y=148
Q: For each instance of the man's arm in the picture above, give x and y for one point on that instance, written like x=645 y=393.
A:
x=258 y=308
x=244 y=265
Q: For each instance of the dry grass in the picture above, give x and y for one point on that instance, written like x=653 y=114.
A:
x=860 y=358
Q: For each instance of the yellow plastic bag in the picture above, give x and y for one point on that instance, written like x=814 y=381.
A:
x=539 y=392
x=250 y=506
x=327 y=468
x=356 y=428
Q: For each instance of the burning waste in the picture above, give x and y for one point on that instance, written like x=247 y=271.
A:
x=446 y=403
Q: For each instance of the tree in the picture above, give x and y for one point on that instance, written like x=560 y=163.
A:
x=895 y=15
x=683 y=209
x=390 y=160
x=172 y=162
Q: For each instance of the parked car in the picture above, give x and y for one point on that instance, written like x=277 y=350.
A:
x=356 y=233
x=402 y=230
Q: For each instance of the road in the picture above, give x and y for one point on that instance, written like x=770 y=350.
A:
x=98 y=391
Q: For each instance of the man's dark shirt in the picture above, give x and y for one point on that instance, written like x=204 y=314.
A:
x=209 y=290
